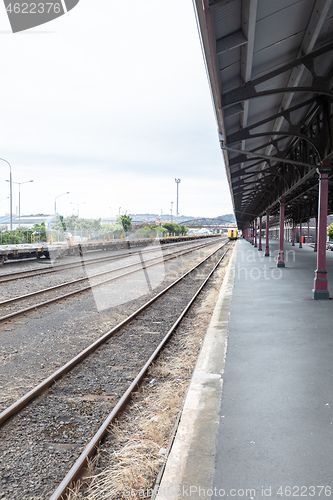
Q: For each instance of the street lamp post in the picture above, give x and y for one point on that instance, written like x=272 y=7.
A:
x=177 y=182
x=10 y=193
x=19 y=185
x=55 y=201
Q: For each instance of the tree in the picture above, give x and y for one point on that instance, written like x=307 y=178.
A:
x=40 y=230
x=74 y=223
x=174 y=228
x=330 y=231
x=126 y=222
x=59 y=224
x=150 y=229
x=116 y=228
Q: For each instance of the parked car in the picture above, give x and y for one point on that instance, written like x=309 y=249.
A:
x=329 y=246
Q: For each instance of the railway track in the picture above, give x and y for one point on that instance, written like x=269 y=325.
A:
x=92 y=384
x=85 y=283
x=84 y=262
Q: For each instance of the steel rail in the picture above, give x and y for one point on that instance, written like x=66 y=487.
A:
x=102 y=273
x=73 y=282
x=46 y=383
x=89 y=287
x=61 y=267
x=84 y=263
x=89 y=450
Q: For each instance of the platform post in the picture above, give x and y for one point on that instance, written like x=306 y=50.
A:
x=267 y=235
x=316 y=238
x=308 y=231
x=255 y=233
x=320 y=290
x=260 y=231
x=293 y=234
x=252 y=235
x=280 y=262
x=300 y=235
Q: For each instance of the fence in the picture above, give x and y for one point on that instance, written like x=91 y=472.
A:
x=25 y=235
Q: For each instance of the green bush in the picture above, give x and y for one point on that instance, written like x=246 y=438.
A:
x=330 y=231
x=16 y=237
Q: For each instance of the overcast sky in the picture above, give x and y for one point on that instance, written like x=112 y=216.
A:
x=111 y=103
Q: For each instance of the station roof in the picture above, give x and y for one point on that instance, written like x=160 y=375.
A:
x=270 y=67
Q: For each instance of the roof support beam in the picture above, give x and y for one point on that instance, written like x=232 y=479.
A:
x=233 y=110
x=307 y=176
x=240 y=137
x=218 y=3
x=316 y=21
x=247 y=91
x=249 y=17
x=235 y=136
x=268 y=158
x=230 y=42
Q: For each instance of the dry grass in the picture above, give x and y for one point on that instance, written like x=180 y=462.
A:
x=140 y=439
x=137 y=444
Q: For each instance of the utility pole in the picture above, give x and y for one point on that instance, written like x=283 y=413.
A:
x=171 y=210
x=177 y=182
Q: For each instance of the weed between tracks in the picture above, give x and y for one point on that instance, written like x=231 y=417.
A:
x=129 y=461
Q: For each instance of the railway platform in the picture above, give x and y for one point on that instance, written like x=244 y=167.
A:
x=257 y=421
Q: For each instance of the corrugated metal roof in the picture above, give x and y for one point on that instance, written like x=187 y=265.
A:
x=265 y=101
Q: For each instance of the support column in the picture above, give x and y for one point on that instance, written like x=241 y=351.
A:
x=280 y=262
x=260 y=231
x=308 y=231
x=300 y=235
x=255 y=233
x=267 y=235
x=293 y=234
x=320 y=290
x=252 y=234
x=316 y=237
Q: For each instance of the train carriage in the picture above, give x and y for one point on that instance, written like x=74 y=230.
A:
x=232 y=234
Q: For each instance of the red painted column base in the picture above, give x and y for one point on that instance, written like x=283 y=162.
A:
x=280 y=262
x=320 y=292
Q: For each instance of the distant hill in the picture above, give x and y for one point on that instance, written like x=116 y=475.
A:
x=181 y=218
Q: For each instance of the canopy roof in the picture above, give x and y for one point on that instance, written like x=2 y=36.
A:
x=270 y=67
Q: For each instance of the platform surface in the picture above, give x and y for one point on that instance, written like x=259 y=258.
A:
x=258 y=417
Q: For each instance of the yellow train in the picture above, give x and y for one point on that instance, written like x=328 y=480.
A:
x=232 y=234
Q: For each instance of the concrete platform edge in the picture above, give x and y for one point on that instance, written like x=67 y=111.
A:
x=190 y=465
